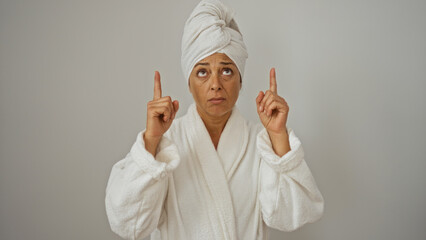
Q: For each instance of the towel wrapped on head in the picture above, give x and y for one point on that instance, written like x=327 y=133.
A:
x=211 y=28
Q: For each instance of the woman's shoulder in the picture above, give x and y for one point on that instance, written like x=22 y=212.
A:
x=254 y=126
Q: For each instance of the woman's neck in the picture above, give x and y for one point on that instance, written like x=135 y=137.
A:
x=214 y=125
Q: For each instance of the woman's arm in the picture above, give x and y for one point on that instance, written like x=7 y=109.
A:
x=137 y=188
x=280 y=143
x=289 y=196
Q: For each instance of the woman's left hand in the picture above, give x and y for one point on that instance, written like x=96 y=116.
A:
x=272 y=108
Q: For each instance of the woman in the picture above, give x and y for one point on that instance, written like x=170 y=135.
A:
x=211 y=174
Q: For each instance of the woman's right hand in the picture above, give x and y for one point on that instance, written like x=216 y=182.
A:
x=160 y=114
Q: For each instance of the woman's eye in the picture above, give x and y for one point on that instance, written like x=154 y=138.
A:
x=202 y=73
x=227 y=71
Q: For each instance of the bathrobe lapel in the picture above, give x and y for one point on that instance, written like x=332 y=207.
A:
x=233 y=142
x=231 y=147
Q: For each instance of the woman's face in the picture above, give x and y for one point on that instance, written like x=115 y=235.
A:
x=215 y=84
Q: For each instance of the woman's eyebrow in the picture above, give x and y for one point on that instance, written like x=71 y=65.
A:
x=201 y=64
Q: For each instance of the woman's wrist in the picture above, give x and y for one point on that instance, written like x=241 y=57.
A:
x=151 y=143
x=280 y=143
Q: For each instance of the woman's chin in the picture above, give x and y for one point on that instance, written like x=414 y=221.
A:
x=216 y=110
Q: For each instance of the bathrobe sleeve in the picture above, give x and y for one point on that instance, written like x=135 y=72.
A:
x=289 y=196
x=137 y=188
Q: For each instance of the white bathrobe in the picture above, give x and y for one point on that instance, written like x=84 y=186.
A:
x=193 y=191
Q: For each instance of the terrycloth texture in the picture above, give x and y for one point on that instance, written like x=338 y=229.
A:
x=192 y=191
x=211 y=28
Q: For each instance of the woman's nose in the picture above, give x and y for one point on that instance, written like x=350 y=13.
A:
x=215 y=82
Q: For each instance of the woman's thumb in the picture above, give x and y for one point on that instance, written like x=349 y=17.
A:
x=176 y=105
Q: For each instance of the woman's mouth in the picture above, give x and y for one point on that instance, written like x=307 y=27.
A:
x=217 y=100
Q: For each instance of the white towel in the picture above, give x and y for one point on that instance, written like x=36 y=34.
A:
x=211 y=28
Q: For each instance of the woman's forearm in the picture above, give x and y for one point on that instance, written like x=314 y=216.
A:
x=280 y=143
x=151 y=144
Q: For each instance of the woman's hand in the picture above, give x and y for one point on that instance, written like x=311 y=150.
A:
x=160 y=114
x=273 y=111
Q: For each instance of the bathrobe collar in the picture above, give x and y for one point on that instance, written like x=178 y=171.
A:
x=231 y=148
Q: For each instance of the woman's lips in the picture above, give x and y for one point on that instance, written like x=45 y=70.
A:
x=216 y=100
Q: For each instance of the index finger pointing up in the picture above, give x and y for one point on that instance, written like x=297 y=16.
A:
x=157 y=86
x=272 y=81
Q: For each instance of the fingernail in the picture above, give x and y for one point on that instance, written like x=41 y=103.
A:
x=261 y=108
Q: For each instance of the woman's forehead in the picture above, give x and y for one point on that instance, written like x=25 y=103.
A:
x=217 y=57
